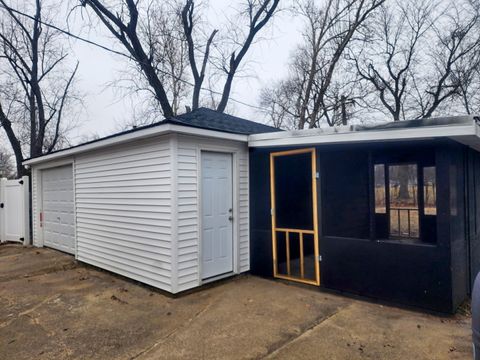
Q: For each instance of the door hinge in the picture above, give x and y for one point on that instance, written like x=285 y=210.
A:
x=271 y=212
x=317 y=175
x=319 y=258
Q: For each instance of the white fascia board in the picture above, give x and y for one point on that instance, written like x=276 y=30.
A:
x=137 y=135
x=187 y=130
x=472 y=141
x=317 y=136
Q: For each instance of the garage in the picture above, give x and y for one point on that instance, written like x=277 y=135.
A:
x=166 y=204
x=57 y=219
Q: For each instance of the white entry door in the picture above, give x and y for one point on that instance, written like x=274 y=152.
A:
x=217 y=214
x=58 y=209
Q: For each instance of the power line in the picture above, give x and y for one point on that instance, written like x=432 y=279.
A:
x=103 y=47
x=66 y=32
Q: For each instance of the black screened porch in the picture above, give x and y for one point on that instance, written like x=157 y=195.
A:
x=389 y=220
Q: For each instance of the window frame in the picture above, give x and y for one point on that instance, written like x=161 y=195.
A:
x=419 y=195
x=374 y=183
x=434 y=189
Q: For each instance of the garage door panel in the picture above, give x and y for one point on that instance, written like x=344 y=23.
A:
x=58 y=208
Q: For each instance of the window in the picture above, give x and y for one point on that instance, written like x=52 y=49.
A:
x=380 y=200
x=403 y=201
x=429 y=191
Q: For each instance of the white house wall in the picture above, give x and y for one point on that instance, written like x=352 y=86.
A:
x=123 y=209
x=137 y=208
x=188 y=152
x=35 y=208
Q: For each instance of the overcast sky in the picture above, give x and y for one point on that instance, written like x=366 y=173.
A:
x=105 y=110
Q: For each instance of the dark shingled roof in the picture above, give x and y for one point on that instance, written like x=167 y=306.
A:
x=201 y=118
x=213 y=120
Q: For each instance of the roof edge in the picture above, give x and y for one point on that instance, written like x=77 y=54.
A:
x=316 y=136
x=163 y=128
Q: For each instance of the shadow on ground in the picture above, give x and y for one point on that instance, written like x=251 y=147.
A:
x=52 y=307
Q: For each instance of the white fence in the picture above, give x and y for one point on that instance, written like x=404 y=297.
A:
x=14 y=210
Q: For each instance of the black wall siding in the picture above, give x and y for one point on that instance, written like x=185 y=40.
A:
x=472 y=206
x=458 y=238
x=261 y=258
x=414 y=274
x=345 y=190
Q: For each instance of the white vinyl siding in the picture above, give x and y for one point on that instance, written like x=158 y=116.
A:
x=137 y=208
x=243 y=214
x=187 y=208
x=35 y=208
x=188 y=162
x=123 y=208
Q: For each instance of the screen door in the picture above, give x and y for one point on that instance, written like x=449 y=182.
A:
x=294 y=215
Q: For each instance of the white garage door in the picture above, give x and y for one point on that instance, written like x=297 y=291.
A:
x=58 y=209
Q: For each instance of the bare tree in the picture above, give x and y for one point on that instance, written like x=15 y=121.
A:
x=470 y=88
x=454 y=56
x=188 y=23
x=125 y=21
x=7 y=169
x=419 y=56
x=276 y=102
x=163 y=36
x=388 y=61
x=36 y=87
x=162 y=32
x=258 y=13
x=315 y=93
x=122 y=23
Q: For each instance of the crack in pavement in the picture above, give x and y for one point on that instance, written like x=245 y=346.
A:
x=28 y=311
x=59 y=268
x=276 y=348
x=174 y=331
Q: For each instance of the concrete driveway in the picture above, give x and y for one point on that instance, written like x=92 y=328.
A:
x=54 y=308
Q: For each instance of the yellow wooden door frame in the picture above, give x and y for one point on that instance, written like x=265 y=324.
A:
x=313 y=231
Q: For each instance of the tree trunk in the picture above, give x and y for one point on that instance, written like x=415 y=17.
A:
x=17 y=149
x=344 y=110
x=403 y=177
x=226 y=91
